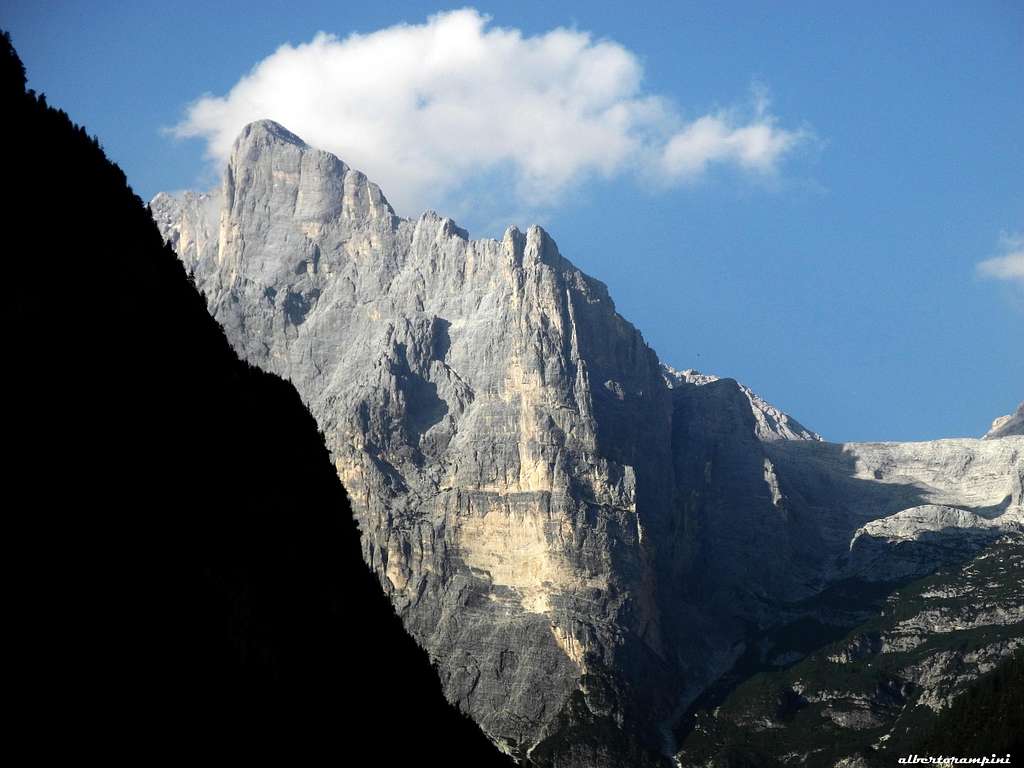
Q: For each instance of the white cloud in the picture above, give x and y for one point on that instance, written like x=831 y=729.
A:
x=432 y=111
x=1009 y=265
x=755 y=146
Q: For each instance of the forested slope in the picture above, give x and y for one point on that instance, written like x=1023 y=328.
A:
x=190 y=579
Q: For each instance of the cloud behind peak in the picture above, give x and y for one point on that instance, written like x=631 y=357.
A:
x=431 y=110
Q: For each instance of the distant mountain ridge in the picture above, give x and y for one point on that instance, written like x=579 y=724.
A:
x=1007 y=426
x=770 y=422
x=582 y=538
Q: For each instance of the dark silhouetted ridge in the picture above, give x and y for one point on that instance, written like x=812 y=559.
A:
x=188 y=579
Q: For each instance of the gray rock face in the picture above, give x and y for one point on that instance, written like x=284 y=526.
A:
x=1007 y=426
x=577 y=534
x=769 y=422
x=912 y=541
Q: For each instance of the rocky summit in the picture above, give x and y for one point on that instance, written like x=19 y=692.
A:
x=1006 y=426
x=582 y=538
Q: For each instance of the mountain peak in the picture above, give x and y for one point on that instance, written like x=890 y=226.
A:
x=272 y=169
x=504 y=433
x=268 y=130
x=1007 y=426
x=770 y=423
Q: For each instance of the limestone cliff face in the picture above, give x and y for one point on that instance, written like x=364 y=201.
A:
x=1007 y=426
x=769 y=422
x=576 y=534
x=498 y=426
x=777 y=520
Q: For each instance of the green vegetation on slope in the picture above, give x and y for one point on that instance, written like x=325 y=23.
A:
x=988 y=718
x=894 y=678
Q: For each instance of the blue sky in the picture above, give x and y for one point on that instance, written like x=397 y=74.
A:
x=797 y=195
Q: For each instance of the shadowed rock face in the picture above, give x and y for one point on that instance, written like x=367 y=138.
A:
x=872 y=695
x=577 y=534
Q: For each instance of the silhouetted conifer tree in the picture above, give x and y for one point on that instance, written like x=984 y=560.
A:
x=189 y=580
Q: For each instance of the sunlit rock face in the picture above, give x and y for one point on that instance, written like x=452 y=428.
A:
x=497 y=425
x=1007 y=426
x=576 y=533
